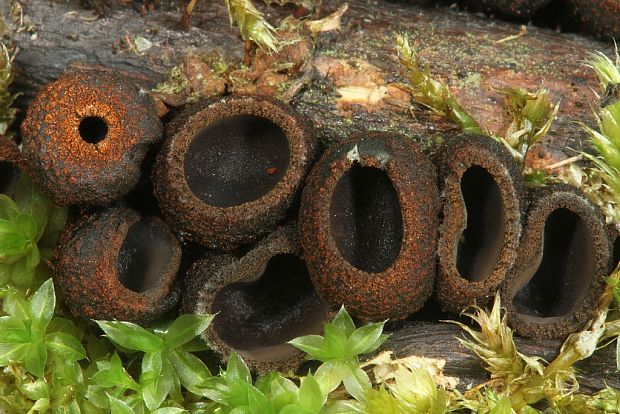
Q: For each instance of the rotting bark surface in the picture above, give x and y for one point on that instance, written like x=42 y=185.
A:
x=355 y=85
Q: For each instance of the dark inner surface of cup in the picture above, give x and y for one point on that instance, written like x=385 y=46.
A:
x=366 y=221
x=560 y=282
x=9 y=173
x=480 y=245
x=277 y=307
x=236 y=160
x=144 y=255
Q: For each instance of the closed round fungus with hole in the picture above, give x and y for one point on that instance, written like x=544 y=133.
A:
x=118 y=265
x=85 y=136
x=368 y=223
x=230 y=168
x=263 y=300
x=482 y=213
x=562 y=263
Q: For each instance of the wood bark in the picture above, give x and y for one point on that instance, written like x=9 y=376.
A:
x=354 y=85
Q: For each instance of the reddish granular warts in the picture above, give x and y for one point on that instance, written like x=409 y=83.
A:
x=368 y=225
x=85 y=135
x=117 y=265
x=230 y=168
x=479 y=237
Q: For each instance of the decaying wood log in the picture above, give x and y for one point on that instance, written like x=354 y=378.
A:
x=437 y=340
x=353 y=84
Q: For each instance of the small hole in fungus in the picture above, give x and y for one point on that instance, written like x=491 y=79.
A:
x=93 y=129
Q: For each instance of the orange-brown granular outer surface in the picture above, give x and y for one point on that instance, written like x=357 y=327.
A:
x=215 y=272
x=402 y=287
x=227 y=227
x=67 y=167
x=586 y=290
x=9 y=151
x=454 y=291
x=86 y=270
x=601 y=17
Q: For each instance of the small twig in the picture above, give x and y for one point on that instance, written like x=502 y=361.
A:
x=307 y=69
x=522 y=32
x=186 y=15
x=247 y=56
x=565 y=162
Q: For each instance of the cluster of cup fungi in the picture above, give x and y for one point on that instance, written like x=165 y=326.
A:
x=287 y=235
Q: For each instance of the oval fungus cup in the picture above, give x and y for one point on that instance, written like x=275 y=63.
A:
x=117 y=264
x=601 y=17
x=563 y=260
x=483 y=201
x=230 y=168
x=10 y=166
x=368 y=224
x=262 y=299
x=85 y=136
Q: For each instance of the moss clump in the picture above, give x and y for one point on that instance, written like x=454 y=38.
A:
x=7 y=112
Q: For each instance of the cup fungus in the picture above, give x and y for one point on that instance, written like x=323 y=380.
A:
x=369 y=223
x=561 y=267
x=85 y=135
x=230 y=168
x=601 y=17
x=118 y=265
x=10 y=160
x=479 y=237
x=262 y=300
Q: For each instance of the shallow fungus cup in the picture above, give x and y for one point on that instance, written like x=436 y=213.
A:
x=262 y=299
x=479 y=238
x=231 y=168
x=562 y=264
x=117 y=264
x=369 y=219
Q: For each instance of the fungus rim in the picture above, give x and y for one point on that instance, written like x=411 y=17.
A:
x=544 y=202
x=454 y=291
x=245 y=222
x=407 y=283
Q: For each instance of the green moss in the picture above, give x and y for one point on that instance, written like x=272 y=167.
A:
x=7 y=112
